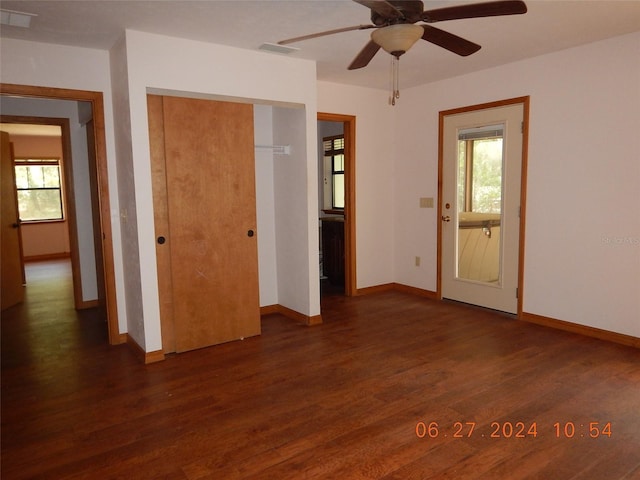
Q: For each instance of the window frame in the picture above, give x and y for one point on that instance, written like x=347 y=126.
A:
x=35 y=160
x=331 y=153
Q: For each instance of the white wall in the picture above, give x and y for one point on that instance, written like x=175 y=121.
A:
x=295 y=177
x=265 y=205
x=374 y=167
x=170 y=65
x=127 y=195
x=39 y=64
x=582 y=250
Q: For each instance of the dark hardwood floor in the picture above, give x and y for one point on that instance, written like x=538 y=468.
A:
x=342 y=400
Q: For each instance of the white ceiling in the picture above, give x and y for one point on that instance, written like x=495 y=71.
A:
x=549 y=25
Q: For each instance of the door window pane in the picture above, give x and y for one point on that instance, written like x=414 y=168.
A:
x=480 y=163
x=487 y=176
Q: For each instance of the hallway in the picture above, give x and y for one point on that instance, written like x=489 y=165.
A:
x=51 y=356
x=46 y=327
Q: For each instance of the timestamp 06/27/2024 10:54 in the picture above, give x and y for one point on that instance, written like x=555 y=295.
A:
x=514 y=430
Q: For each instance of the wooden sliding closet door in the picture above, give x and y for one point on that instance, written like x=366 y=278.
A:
x=205 y=218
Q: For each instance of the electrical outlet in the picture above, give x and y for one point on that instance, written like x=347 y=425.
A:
x=417 y=261
x=426 y=202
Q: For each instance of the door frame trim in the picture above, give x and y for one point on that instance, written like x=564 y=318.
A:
x=349 y=126
x=525 y=100
x=97 y=105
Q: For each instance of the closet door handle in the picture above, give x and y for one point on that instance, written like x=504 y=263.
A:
x=250 y=233
x=161 y=240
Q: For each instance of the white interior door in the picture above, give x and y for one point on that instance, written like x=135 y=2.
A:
x=481 y=183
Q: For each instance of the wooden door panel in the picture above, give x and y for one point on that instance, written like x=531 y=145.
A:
x=210 y=191
x=161 y=221
x=12 y=276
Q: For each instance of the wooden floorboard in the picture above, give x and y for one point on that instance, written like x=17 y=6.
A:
x=339 y=400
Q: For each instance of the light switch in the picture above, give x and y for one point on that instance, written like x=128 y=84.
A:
x=426 y=202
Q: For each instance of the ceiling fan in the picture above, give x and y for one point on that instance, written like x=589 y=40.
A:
x=395 y=29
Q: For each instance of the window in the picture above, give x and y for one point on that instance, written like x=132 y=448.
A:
x=39 y=189
x=334 y=154
x=480 y=170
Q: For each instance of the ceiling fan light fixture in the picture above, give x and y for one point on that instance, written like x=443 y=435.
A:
x=397 y=39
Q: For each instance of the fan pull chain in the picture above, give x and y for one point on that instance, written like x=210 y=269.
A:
x=391 y=96
x=394 y=80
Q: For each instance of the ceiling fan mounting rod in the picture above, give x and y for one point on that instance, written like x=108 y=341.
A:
x=396 y=21
x=392 y=12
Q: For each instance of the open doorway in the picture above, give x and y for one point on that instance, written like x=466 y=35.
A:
x=97 y=222
x=43 y=172
x=336 y=200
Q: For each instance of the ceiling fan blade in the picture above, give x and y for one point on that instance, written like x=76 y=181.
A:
x=382 y=8
x=475 y=10
x=322 y=34
x=449 y=41
x=365 y=55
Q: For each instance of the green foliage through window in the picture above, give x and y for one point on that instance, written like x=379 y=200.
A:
x=480 y=174
x=39 y=189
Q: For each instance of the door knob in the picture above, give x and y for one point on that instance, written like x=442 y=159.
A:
x=161 y=240
x=250 y=233
x=446 y=218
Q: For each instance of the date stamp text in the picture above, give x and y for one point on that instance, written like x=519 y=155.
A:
x=569 y=429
